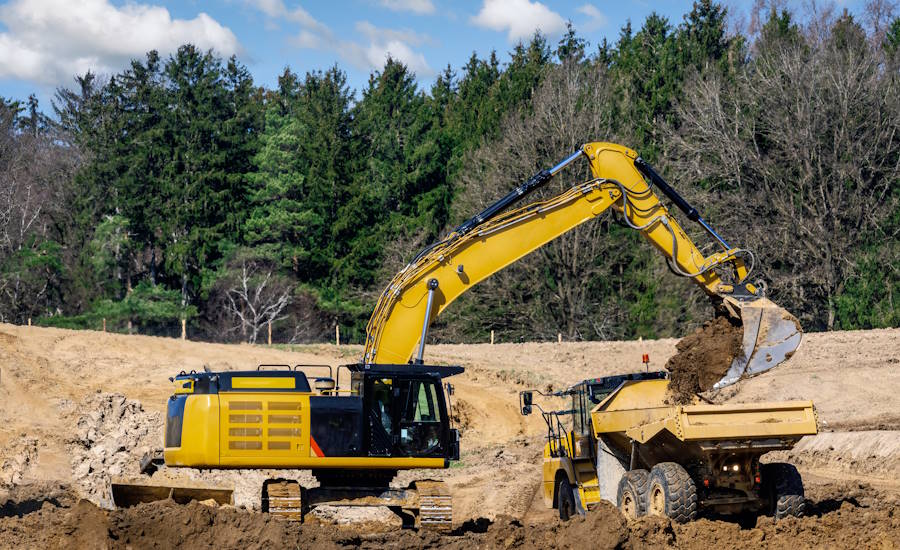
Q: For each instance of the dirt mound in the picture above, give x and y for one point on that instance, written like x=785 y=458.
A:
x=111 y=435
x=30 y=496
x=872 y=452
x=169 y=525
x=21 y=455
x=461 y=415
x=703 y=358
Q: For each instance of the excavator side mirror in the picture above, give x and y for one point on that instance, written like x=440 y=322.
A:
x=526 y=402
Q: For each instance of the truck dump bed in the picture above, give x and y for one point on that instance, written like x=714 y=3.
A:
x=638 y=412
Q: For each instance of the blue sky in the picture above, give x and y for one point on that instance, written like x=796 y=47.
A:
x=44 y=43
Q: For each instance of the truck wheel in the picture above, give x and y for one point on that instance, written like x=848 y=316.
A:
x=632 y=496
x=565 y=499
x=785 y=489
x=672 y=493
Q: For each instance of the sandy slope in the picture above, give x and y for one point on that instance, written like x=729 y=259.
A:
x=46 y=376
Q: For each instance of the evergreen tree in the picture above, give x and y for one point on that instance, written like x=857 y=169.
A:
x=571 y=47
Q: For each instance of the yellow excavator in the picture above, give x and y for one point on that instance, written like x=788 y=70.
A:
x=393 y=413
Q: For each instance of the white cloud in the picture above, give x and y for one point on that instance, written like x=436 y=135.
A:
x=373 y=51
x=384 y=43
x=421 y=7
x=307 y=39
x=49 y=41
x=519 y=18
x=596 y=19
x=376 y=34
x=276 y=9
x=370 y=53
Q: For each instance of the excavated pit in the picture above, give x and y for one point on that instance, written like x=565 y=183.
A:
x=703 y=358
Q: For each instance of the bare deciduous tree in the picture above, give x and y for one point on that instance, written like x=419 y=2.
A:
x=35 y=165
x=807 y=141
x=256 y=295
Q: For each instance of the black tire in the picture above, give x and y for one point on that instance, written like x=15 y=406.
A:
x=632 y=495
x=785 y=490
x=672 y=493
x=565 y=500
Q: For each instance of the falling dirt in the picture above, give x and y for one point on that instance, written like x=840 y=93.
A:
x=703 y=358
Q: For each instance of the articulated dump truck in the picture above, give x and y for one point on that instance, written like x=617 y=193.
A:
x=617 y=439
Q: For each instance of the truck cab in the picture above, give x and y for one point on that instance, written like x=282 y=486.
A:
x=570 y=481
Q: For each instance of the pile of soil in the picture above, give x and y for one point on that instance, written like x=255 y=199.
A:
x=112 y=433
x=862 y=453
x=703 y=358
x=168 y=525
x=21 y=455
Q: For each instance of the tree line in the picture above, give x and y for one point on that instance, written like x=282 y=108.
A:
x=179 y=189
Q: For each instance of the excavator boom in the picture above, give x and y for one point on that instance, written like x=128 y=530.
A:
x=499 y=236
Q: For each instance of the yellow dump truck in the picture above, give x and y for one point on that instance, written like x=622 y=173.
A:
x=617 y=439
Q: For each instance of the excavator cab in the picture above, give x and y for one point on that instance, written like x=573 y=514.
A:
x=405 y=412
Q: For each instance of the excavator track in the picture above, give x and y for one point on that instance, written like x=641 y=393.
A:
x=435 y=505
x=283 y=499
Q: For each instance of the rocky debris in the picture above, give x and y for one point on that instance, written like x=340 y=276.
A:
x=111 y=435
x=246 y=484
x=368 y=518
x=23 y=455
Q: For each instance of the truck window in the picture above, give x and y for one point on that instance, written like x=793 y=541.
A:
x=579 y=423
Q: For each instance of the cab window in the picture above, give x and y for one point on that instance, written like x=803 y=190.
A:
x=421 y=403
x=421 y=427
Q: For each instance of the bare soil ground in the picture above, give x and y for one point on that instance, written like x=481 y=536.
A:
x=79 y=408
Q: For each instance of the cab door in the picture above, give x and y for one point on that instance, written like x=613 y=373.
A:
x=381 y=395
x=422 y=423
x=406 y=417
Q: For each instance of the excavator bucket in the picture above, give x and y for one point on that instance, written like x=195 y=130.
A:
x=126 y=494
x=771 y=336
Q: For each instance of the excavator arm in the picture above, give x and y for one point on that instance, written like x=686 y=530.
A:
x=496 y=238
